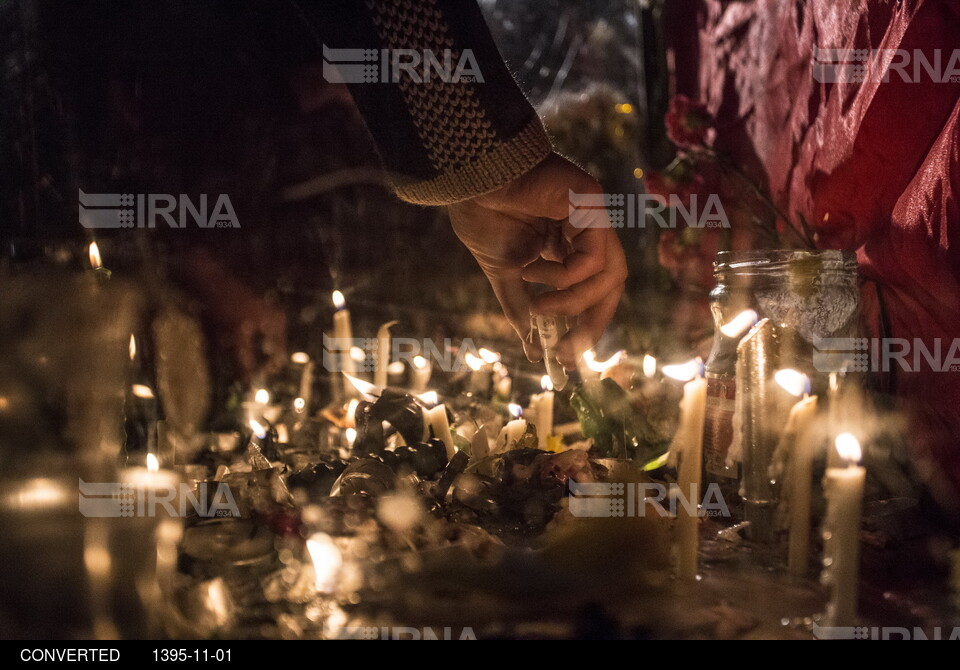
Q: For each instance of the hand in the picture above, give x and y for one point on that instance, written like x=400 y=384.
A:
x=521 y=235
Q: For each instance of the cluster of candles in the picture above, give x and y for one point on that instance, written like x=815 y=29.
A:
x=843 y=481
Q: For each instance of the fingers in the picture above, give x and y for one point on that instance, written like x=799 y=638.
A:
x=585 y=260
x=514 y=297
x=588 y=330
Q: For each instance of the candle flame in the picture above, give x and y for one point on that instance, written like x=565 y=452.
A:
x=142 y=391
x=419 y=362
x=475 y=362
x=327 y=561
x=590 y=358
x=258 y=429
x=153 y=464
x=684 y=372
x=299 y=404
x=262 y=396
x=133 y=347
x=516 y=411
x=849 y=448
x=396 y=368
x=369 y=391
x=351 y=435
x=357 y=354
x=793 y=382
x=338 y=300
x=546 y=383
x=740 y=324
x=429 y=397
x=649 y=366
x=489 y=356
x=93 y=252
x=300 y=357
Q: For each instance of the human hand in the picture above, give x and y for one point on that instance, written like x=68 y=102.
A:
x=521 y=235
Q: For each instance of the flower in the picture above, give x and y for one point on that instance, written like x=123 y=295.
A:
x=684 y=178
x=688 y=122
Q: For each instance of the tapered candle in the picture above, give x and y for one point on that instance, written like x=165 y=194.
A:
x=306 y=379
x=420 y=371
x=688 y=446
x=542 y=405
x=343 y=332
x=383 y=354
x=843 y=489
x=436 y=418
x=795 y=444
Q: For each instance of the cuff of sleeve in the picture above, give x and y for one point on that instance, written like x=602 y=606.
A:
x=491 y=171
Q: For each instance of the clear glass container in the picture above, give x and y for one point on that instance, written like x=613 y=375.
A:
x=806 y=295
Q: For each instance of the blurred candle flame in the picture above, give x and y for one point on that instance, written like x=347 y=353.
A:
x=515 y=410
x=338 y=300
x=419 y=362
x=351 y=435
x=649 y=366
x=475 y=362
x=429 y=397
x=489 y=356
x=262 y=396
x=299 y=404
x=357 y=354
x=300 y=357
x=153 y=463
x=740 y=324
x=258 y=429
x=142 y=391
x=793 y=382
x=327 y=561
x=546 y=383
x=684 y=372
x=133 y=347
x=370 y=391
x=590 y=358
x=849 y=448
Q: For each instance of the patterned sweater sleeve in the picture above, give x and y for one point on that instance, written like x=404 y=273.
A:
x=448 y=119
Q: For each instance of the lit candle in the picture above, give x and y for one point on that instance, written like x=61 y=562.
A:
x=383 y=354
x=306 y=380
x=420 y=371
x=795 y=445
x=687 y=445
x=649 y=366
x=155 y=488
x=480 y=374
x=542 y=405
x=843 y=489
x=436 y=418
x=343 y=332
x=550 y=329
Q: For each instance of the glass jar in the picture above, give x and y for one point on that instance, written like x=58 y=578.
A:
x=806 y=295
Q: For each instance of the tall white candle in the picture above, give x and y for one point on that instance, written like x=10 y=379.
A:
x=343 y=332
x=420 y=371
x=542 y=405
x=437 y=420
x=383 y=354
x=688 y=446
x=306 y=383
x=843 y=489
x=796 y=446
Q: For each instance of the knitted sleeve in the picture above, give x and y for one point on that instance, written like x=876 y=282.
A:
x=448 y=119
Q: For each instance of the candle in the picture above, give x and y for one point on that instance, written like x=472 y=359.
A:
x=649 y=366
x=542 y=405
x=343 y=332
x=687 y=445
x=420 y=371
x=306 y=380
x=509 y=435
x=155 y=488
x=436 y=418
x=796 y=446
x=481 y=375
x=383 y=354
x=760 y=421
x=550 y=330
x=843 y=489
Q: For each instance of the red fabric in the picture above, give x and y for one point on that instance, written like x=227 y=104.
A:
x=873 y=167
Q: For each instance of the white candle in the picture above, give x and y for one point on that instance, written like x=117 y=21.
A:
x=542 y=405
x=383 y=354
x=156 y=489
x=436 y=418
x=509 y=435
x=688 y=446
x=796 y=446
x=420 y=371
x=843 y=489
x=481 y=375
x=306 y=383
x=343 y=332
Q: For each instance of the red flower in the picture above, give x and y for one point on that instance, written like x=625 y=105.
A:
x=685 y=178
x=688 y=122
